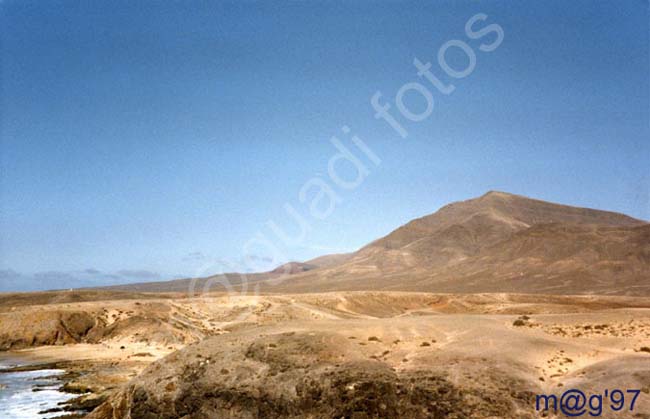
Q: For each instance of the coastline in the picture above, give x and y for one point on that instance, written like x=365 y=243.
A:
x=82 y=375
x=35 y=389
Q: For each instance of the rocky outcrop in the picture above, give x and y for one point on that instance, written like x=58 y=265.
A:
x=49 y=327
x=297 y=375
x=59 y=324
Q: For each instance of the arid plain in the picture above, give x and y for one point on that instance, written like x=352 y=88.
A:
x=469 y=312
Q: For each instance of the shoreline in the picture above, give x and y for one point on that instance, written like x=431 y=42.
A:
x=89 y=372
x=43 y=387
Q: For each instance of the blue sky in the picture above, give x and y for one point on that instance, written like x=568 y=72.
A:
x=152 y=140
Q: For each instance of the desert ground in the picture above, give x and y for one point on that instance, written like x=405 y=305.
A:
x=470 y=312
x=339 y=354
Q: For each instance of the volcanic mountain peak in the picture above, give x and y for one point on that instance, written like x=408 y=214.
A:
x=498 y=242
x=495 y=214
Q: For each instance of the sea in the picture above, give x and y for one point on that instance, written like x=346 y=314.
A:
x=18 y=400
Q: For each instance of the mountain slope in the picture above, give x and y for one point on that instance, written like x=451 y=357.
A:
x=498 y=242
x=462 y=229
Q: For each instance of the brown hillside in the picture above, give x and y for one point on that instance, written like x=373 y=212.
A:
x=498 y=242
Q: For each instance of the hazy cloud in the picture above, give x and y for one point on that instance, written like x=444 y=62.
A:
x=11 y=280
x=8 y=274
x=140 y=274
x=54 y=276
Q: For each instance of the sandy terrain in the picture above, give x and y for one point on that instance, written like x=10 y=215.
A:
x=353 y=354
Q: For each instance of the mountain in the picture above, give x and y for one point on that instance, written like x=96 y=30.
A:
x=498 y=242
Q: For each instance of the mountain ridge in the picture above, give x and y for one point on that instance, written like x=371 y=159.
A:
x=497 y=242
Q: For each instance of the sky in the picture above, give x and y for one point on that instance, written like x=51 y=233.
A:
x=154 y=140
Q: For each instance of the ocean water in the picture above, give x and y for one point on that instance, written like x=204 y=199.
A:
x=18 y=401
